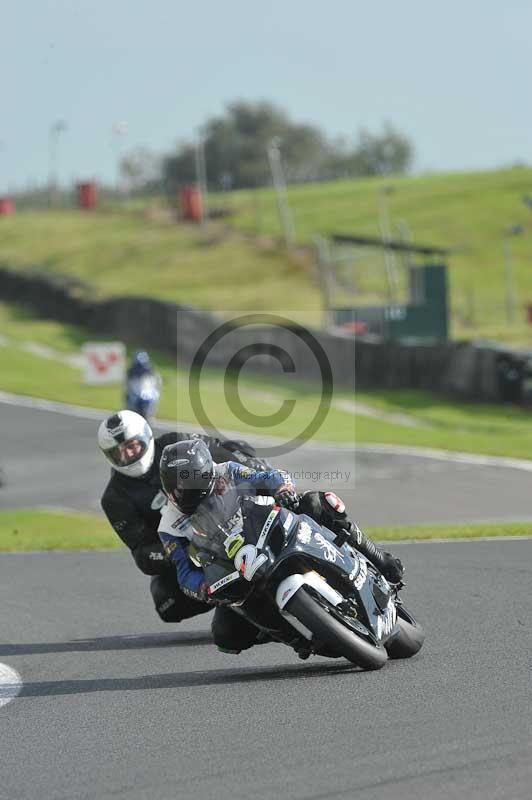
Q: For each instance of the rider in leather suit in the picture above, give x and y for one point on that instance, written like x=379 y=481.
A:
x=133 y=500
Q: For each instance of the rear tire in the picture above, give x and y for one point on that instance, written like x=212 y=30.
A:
x=333 y=634
x=410 y=638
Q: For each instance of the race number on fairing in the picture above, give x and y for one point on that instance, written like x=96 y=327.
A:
x=247 y=561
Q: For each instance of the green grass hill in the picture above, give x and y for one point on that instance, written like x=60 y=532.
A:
x=466 y=212
x=240 y=264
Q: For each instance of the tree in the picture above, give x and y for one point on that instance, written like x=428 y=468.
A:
x=179 y=169
x=389 y=152
x=376 y=154
x=236 y=146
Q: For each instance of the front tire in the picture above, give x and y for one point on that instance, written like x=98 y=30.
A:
x=335 y=636
x=410 y=638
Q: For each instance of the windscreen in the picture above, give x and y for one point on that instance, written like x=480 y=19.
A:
x=217 y=517
x=221 y=514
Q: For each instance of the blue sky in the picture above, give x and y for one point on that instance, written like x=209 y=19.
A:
x=454 y=76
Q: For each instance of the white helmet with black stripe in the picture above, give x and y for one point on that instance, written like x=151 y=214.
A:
x=126 y=440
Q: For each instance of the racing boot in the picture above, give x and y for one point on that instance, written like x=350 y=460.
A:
x=390 y=566
x=328 y=509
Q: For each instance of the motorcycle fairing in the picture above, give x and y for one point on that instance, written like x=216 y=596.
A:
x=283 y=536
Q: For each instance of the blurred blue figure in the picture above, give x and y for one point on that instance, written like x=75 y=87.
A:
x=142 y=386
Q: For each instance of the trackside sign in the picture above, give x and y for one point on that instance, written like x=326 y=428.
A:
x=105 y=362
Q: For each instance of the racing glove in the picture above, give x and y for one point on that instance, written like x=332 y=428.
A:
x=201 y=593
x=287 y=498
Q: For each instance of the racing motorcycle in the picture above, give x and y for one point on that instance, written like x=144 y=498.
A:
x=300 y=583
x=142 y=395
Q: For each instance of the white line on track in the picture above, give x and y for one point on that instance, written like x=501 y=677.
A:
x=471 y=459
x=10 y=684
x=451 y=540
x=40 y=404
x=383 y=542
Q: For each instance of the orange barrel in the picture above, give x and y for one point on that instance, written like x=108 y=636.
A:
x=190 y=202
x=7 y=206
x=183 y=201
x=87 y=195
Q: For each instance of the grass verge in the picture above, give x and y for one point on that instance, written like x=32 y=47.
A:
x=36 y=529
x=463 y=531
x=121 y=252
x=467 y=212
x=435 y=422
x=487 y=430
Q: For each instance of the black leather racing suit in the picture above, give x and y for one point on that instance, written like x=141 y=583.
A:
x=133 y=505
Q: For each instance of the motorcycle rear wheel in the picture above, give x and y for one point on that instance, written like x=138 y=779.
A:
x=335 y=636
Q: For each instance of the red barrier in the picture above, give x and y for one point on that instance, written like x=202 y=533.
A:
x=87 y=195
x=190 y=203
x=7 y=206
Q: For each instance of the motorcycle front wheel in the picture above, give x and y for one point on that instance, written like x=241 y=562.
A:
x=409 y=637
x=337 y=637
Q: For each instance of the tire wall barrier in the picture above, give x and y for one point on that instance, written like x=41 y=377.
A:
x=463 y=370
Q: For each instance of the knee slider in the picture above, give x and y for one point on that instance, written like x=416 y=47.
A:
x=165 y=602
x=228 y=637
x=167 y=610
x=222 y=633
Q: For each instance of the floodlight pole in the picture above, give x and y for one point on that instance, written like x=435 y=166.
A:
x=405 y=236
x=389 y=261
x=201 y=178
x=323 y=258
x=511 y=304
x=279 y=183
x=2 y=148
x=55 y=132
x=119 y=131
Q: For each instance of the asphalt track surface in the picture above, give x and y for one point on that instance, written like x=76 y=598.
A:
x=51 y=459
x=116 y=705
